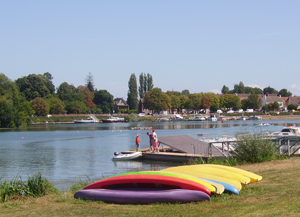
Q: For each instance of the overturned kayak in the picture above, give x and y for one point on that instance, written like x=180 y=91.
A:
x=142 y=196
x=132 y=156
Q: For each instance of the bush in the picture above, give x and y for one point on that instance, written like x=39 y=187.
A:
x=35 y=186
x=254 y=148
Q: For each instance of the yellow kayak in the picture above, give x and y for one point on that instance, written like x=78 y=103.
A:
x=253 y=177
x=216 y=172
x=191 y=172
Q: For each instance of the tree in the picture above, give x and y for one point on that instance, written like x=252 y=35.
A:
x=284 y=93
x=273 y=106
x=48 y=76
x=175 y=103
x=213 y=108
x=9 y=90
x=132 y=95
x=33 y=86
x=185 y=92
x=225 y=89
x=104 y=100
x=239 y=88
x=142 y=88
x=291 y=107
x=69 y=93
x=40 y=106
x=254 y=101
x=149 y=82
x=196 y=100
x=269 y=90
x=88 y=97
x=77 y=107
x=157 y=100
x=56 y=105
x=90 y=82
x=9 y=117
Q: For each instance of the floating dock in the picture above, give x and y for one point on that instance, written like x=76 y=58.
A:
x=182 y=148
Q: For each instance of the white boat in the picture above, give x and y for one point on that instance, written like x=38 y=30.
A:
x=197 y=118
x=162 y=120
x=113 y=119
x=264 y=124
x=212 y=117
x=178 y=117
x=223 y=142
x=121 y=157
x=287 y=131
x=241 y=118
x=83 y=121
x=255 y=118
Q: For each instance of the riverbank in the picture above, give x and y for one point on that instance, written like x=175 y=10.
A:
x=276 y=195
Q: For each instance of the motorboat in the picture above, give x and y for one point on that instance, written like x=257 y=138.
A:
x=287 y=131
x=264 y=124
x=241 y=118
x=83 y=121
x=212 y=117
x=114 y=119
x=224 y=143
x=255 y=118
x=178 y=117
x=197 y=118
x=162 y=120
x=122 y=157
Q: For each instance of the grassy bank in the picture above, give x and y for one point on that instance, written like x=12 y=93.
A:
x=276 y=195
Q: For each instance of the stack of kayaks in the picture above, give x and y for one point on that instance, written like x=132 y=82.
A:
x=175 y=184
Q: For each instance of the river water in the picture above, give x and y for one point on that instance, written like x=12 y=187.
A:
x=65 y=153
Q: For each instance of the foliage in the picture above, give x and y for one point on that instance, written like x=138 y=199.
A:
x=35 y=186
x=284 y=93
x=254 y=148
x=104 y=100
x=90 y=82
x=9 y=90
x=269 y=90
x=146 y=84
x=157 y=100
x=213 y=108
x=253 y=102
x=77 y=107
x=9 y=117
x=56 y=105
x=33 y=86
x=225 y=89
x=175 y=102
x=292 y=107
x=239 y=88
x=40 y=106
x=69 y=93
x=273 y=106
x=79 y=185
x=185 y=92
x=88 y=97
x=132 y=95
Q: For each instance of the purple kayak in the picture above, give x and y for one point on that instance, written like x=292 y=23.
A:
x=142 y=196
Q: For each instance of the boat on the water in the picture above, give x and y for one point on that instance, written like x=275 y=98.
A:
x=114 y=119
x=255 y=118
x=83 y=121
x=287 y=131
x=178 y=117
x=122 y=157
x=212 y=117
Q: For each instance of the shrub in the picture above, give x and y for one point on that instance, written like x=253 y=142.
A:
x=255 y=148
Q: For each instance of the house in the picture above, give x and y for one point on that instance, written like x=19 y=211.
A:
x=271 y=98
x=295 y=100
x=120 y=103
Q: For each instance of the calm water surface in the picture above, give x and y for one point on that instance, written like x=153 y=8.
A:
x=65 y=153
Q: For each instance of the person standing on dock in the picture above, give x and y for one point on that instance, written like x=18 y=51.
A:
x=155 y=140
x=151 y=141
x=137 y=142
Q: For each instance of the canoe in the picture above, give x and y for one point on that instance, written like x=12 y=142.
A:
x=122 y=157
x=148 y=181
x=228 y=188
x=183 y=176
x=214 y=171
x=142 y=196
x=253 y=177
x=234 y=183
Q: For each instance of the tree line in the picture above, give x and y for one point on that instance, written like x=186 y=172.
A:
x=36 y=94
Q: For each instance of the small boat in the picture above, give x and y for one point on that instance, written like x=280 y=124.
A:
x=83 y=121
x=178 y=117
x=255 y=118
x=162 y=120
x=142 y=196
x=197 y=118
x=287 y=131
x=264 y=124
x=241 y=118
x=114 y=119
x=212 y=117
x=132 y=156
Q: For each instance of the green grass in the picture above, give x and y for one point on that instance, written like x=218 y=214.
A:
x=276 y=195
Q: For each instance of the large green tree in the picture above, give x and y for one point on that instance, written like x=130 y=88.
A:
x=40 y=106
x=146 y=84
x=33 y=86
x=104 y=101
x=132 y=95
x=269 y=90
x=9 y=90
x=56 y=105
x=284 y=93
x=225 y=89
x=157 y=100
x=9 y=117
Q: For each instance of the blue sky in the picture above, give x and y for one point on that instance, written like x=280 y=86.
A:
x=194 y=45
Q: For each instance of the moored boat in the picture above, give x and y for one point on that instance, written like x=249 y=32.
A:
x=114 y=119
x=83 y=121
x=122 y=157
